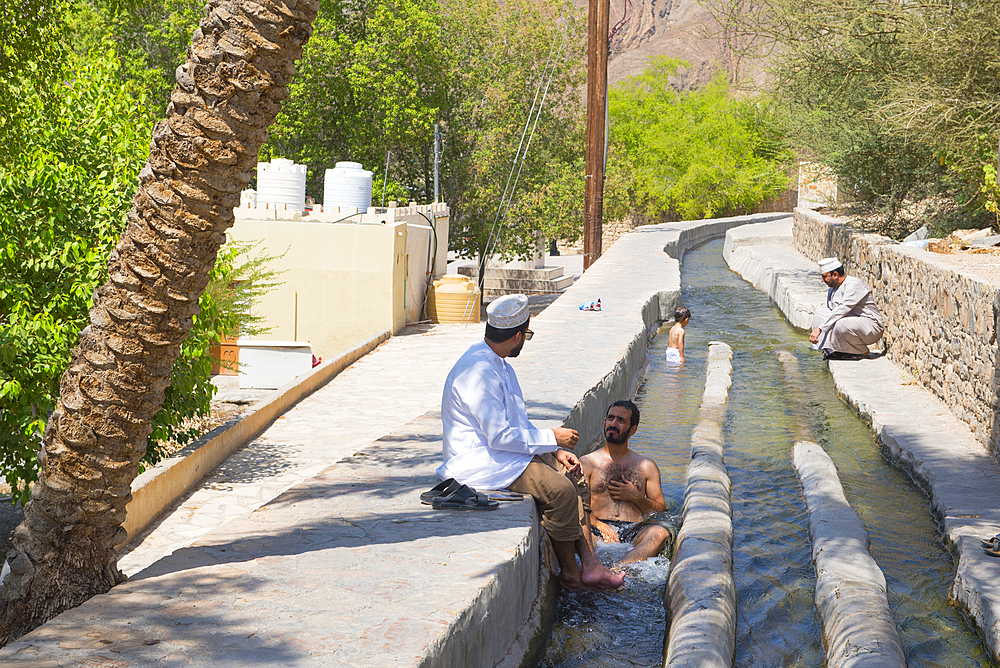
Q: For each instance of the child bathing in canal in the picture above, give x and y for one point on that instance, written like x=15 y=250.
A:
x=675 y=342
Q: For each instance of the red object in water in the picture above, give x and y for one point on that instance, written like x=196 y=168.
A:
x=317 y=361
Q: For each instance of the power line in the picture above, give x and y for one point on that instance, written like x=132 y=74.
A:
x=519 y=158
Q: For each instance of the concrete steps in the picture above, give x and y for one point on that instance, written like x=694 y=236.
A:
x=528 y=281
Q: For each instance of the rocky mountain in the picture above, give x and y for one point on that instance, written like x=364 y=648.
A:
x=677 y=28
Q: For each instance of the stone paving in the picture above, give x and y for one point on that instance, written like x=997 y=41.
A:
x=301 y=581
x=309 y=547
x=351 y=411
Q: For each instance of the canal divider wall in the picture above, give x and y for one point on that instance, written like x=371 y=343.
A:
x=701 y=592
x=858 y=629
x=913 y=425
x=770 y=272
x=579 y=362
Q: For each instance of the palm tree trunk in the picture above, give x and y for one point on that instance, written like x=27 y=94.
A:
x=228 y=92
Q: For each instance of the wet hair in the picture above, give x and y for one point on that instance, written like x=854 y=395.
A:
x=497 y=335
x=625 y=403
x=681 y=313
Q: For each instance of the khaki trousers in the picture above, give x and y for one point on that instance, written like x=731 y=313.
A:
x=562 y=498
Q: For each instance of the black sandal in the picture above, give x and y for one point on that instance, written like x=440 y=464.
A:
x=464 y=498
x=443 y=488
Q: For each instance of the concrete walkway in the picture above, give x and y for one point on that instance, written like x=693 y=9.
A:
x=914 y=428
x=310 y=546
x=369 y=399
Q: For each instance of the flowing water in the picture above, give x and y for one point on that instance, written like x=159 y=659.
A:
x=771 y=405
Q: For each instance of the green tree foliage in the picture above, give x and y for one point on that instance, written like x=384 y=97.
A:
x=65 y=186
x=375 y=78
x=63 y=194
x=150 y=38
x=691 y=154
x=370 y=82
x=900 y=98
x=507 y=58
x=378 y=74
x=30 y=51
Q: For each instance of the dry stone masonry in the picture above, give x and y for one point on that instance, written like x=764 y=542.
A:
x=941 y=320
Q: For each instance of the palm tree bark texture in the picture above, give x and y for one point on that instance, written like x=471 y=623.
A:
x=228 y=92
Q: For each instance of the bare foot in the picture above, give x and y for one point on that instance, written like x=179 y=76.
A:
x=601 y=578
x=571 y=584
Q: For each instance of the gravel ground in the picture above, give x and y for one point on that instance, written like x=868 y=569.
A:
x=983 y=265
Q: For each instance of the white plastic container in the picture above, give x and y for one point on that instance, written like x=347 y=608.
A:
x=281 y=182
x=347 y=186
x=268 y=365
x=248 y=199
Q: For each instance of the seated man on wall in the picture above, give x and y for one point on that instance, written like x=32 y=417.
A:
x=626 y=499
x=490 y=444
x=850 y=321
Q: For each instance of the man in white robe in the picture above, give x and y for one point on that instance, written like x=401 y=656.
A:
x=850 y=321
x=490 y=444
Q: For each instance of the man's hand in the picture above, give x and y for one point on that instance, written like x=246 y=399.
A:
x=569 y=460
x=814 y=335
x=608 y=533
x=566 y=438
x=623 y=490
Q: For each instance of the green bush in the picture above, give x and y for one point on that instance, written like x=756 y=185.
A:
x=64 y=195
x=898 y=97
x=65 y=187
x=238 y=279
x=691 y=154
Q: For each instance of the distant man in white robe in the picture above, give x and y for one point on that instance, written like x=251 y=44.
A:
x=490 y=444
x=850 y=321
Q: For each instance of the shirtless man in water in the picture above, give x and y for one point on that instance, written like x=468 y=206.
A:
x=625 y=487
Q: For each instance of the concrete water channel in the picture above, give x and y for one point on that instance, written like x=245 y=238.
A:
x=302 y=579
x=782 y=393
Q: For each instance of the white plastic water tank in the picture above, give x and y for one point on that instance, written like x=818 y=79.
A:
x=281 y=182
x=248 y=198
x=347 y=185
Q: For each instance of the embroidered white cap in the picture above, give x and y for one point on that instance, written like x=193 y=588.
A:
x=828 y=264
x=507 y=311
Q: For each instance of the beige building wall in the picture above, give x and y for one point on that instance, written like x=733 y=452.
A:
x=344 y=282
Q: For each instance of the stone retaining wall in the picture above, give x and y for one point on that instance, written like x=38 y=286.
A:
x=940 y=325
x=611 y=231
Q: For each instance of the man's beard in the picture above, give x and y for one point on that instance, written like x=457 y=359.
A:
x=617 y=438
x=516 y=351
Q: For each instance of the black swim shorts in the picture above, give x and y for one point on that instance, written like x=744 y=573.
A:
x=627 y=531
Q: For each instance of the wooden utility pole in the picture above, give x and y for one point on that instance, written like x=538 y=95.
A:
x=597 y=95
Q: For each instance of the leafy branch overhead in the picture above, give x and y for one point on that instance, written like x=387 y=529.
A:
x=902 y=99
